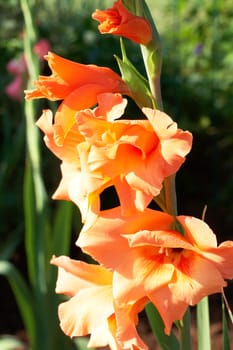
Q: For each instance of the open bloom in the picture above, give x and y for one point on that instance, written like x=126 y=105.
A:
x=79 y=184
x=100 y=150
x=135 y=154
x=118 y=20
x=77 y=85
x=149 y=257
x=90 y=308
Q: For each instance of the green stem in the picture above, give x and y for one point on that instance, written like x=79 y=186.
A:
x=170 y=195
x=203 y=324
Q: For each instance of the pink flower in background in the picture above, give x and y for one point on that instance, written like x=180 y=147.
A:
x=18 y=68
x=41 y=48
x=17 y=65
x=14 y=89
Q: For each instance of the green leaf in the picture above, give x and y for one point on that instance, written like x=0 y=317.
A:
x=62 y=228
x=60 y=240
x=203 y=325
x=166 y=342
x=137 y=84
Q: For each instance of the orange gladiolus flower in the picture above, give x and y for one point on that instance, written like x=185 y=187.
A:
x=91 y=308
x=135 y=154
x=118 y=20
x=149 y=258
x=77 y=85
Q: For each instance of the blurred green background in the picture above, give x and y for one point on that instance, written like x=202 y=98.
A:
x=197 y=89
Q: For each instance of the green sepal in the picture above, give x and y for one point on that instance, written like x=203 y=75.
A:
x=138 y=85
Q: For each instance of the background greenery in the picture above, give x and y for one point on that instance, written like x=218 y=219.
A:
x=197 y=88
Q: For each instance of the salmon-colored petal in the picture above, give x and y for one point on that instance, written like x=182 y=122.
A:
x=198 y=232
x=175 y=143
x=221 y=257
x=195 y=278
x=66 y=153
x=110 y=106
x=90 y=273
x=83 y=313
x=130 y=198
x=101 y=243
x=165 y=239
x=138 y=275
x=169 y=310
x=162 y=124
x=127 y=320
x=80 y=187
x=105 y=335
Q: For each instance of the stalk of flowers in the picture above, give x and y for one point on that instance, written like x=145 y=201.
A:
x=142 y=255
